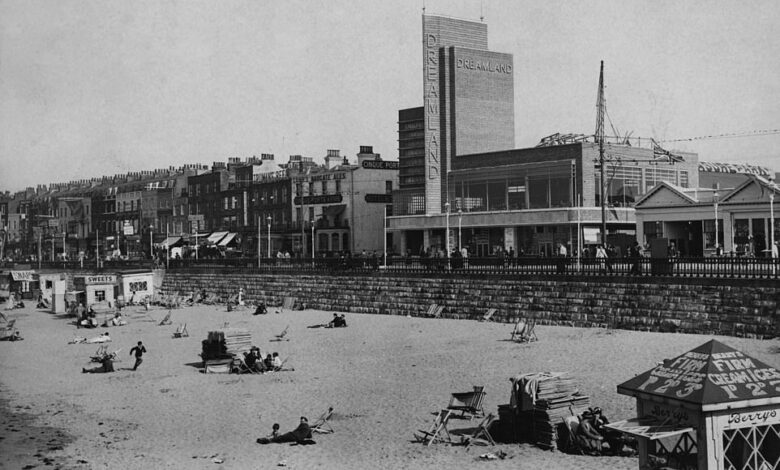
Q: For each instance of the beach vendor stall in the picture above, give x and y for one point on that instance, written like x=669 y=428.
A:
x=136 y=285
x=24 y=283
x=99 y=288
x=711 y=408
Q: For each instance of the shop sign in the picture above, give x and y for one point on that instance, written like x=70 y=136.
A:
x=379 y=165
x=749 y=417
x=379 y=198
x=324 y=199
x=105 y=279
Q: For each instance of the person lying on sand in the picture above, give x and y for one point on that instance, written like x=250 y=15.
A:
x=301 y=435
x=104 y=338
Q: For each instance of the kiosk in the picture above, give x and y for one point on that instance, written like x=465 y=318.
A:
x=99 y=288
x=25 y=283
x=135 y=285
x=711 y=408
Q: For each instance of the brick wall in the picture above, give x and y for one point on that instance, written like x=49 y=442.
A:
x=697 y=306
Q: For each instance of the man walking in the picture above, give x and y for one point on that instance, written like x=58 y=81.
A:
x=139 y=351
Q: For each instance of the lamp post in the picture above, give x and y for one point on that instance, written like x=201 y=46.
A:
x=63 y=247
x=715 y=204
x=269 y=236
x=151 y=242
x=259 y=239
x=460 y=221
x=447 y=231
x=312 y=240
x=772 y=223
x=384 y=237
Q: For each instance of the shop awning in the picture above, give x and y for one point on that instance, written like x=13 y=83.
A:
x=171 y=241
x=216 y=237
x=22 y=275
x=650 y=428
x=228 y=238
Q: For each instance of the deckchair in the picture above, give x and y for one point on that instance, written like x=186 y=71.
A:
x=8 y=329
x=434 y=311
x=488 y=315
x=3 y=317
x=288 y=303
x=524 y=331
x=166 y=319
x=570 y=444
x=99 y=354
x=482 y=434
x=322 y=425
x=283 y=335
x=468 y=402
x=181 y=331
x=437 y=430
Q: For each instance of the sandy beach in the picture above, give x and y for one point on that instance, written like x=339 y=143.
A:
x=384 y=376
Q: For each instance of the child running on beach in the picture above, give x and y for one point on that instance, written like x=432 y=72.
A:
x=139 y=351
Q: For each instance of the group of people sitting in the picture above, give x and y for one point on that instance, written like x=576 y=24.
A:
x=254 y=362
x=591 y=434
x=14 y=301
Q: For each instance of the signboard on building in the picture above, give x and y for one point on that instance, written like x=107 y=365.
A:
x=195 y=218
x=379 y=198
x=323 y=199
x=104 y=279
x=127 y=228
x=53 y=222
x=379 y=165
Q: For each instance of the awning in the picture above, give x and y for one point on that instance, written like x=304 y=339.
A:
x=22 y=275
x=216 y=237
x=650 y=428
x=228 y=238
x=171 y=241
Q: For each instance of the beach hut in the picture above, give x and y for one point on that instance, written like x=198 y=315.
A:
x=99 y=288
x=25 y=283
x=711 y=408
x=135 y=285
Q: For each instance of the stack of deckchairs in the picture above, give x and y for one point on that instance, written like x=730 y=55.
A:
x=226 y=342
x=557 y=396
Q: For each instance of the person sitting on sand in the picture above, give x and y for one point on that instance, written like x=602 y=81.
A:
x=301 y=435
x=261 y=309
x=107 y=365
x=333 y=323
x=276 y=362
x=117 y=320
x=588 y=438
x=268 y=362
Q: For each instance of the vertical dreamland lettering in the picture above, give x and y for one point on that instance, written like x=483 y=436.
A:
x=432 y=104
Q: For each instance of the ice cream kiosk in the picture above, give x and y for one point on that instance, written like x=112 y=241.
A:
x=712 y=408
x=99 y=288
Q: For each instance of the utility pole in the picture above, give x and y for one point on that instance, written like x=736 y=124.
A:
x=601 y=105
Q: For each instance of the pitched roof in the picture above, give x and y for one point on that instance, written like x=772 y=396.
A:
x=711 y=376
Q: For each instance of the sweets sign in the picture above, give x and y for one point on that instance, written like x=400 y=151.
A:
x=712 y=373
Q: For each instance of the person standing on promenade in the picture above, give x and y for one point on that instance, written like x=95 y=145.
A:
x=139 y=352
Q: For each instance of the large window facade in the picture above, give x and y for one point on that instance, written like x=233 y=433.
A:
x=517 y=189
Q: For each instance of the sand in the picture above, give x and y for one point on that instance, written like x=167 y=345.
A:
x=384 y=376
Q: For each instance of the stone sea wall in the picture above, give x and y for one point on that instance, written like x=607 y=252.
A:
x=727 y=307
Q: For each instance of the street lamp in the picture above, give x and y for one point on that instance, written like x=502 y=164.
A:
x=460 y=220
x=447 y=232
x=269 y=236
x=312 y=240
x=151 y=242
x=63 y=247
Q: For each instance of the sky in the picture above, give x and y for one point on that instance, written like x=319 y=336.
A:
x=102 y=87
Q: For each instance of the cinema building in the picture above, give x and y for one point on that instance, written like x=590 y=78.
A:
x=462 y=183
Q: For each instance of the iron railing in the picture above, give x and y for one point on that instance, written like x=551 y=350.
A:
x=686 y=267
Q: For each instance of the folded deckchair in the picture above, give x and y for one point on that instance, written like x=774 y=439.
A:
x=437 y=430
x=468 y=402
x=166 y=319
x=288 y=303
x=322 y=424
x=181 y=331
x=482 y=433
x=283 y=335
x=488 y=315
x=524 y=331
